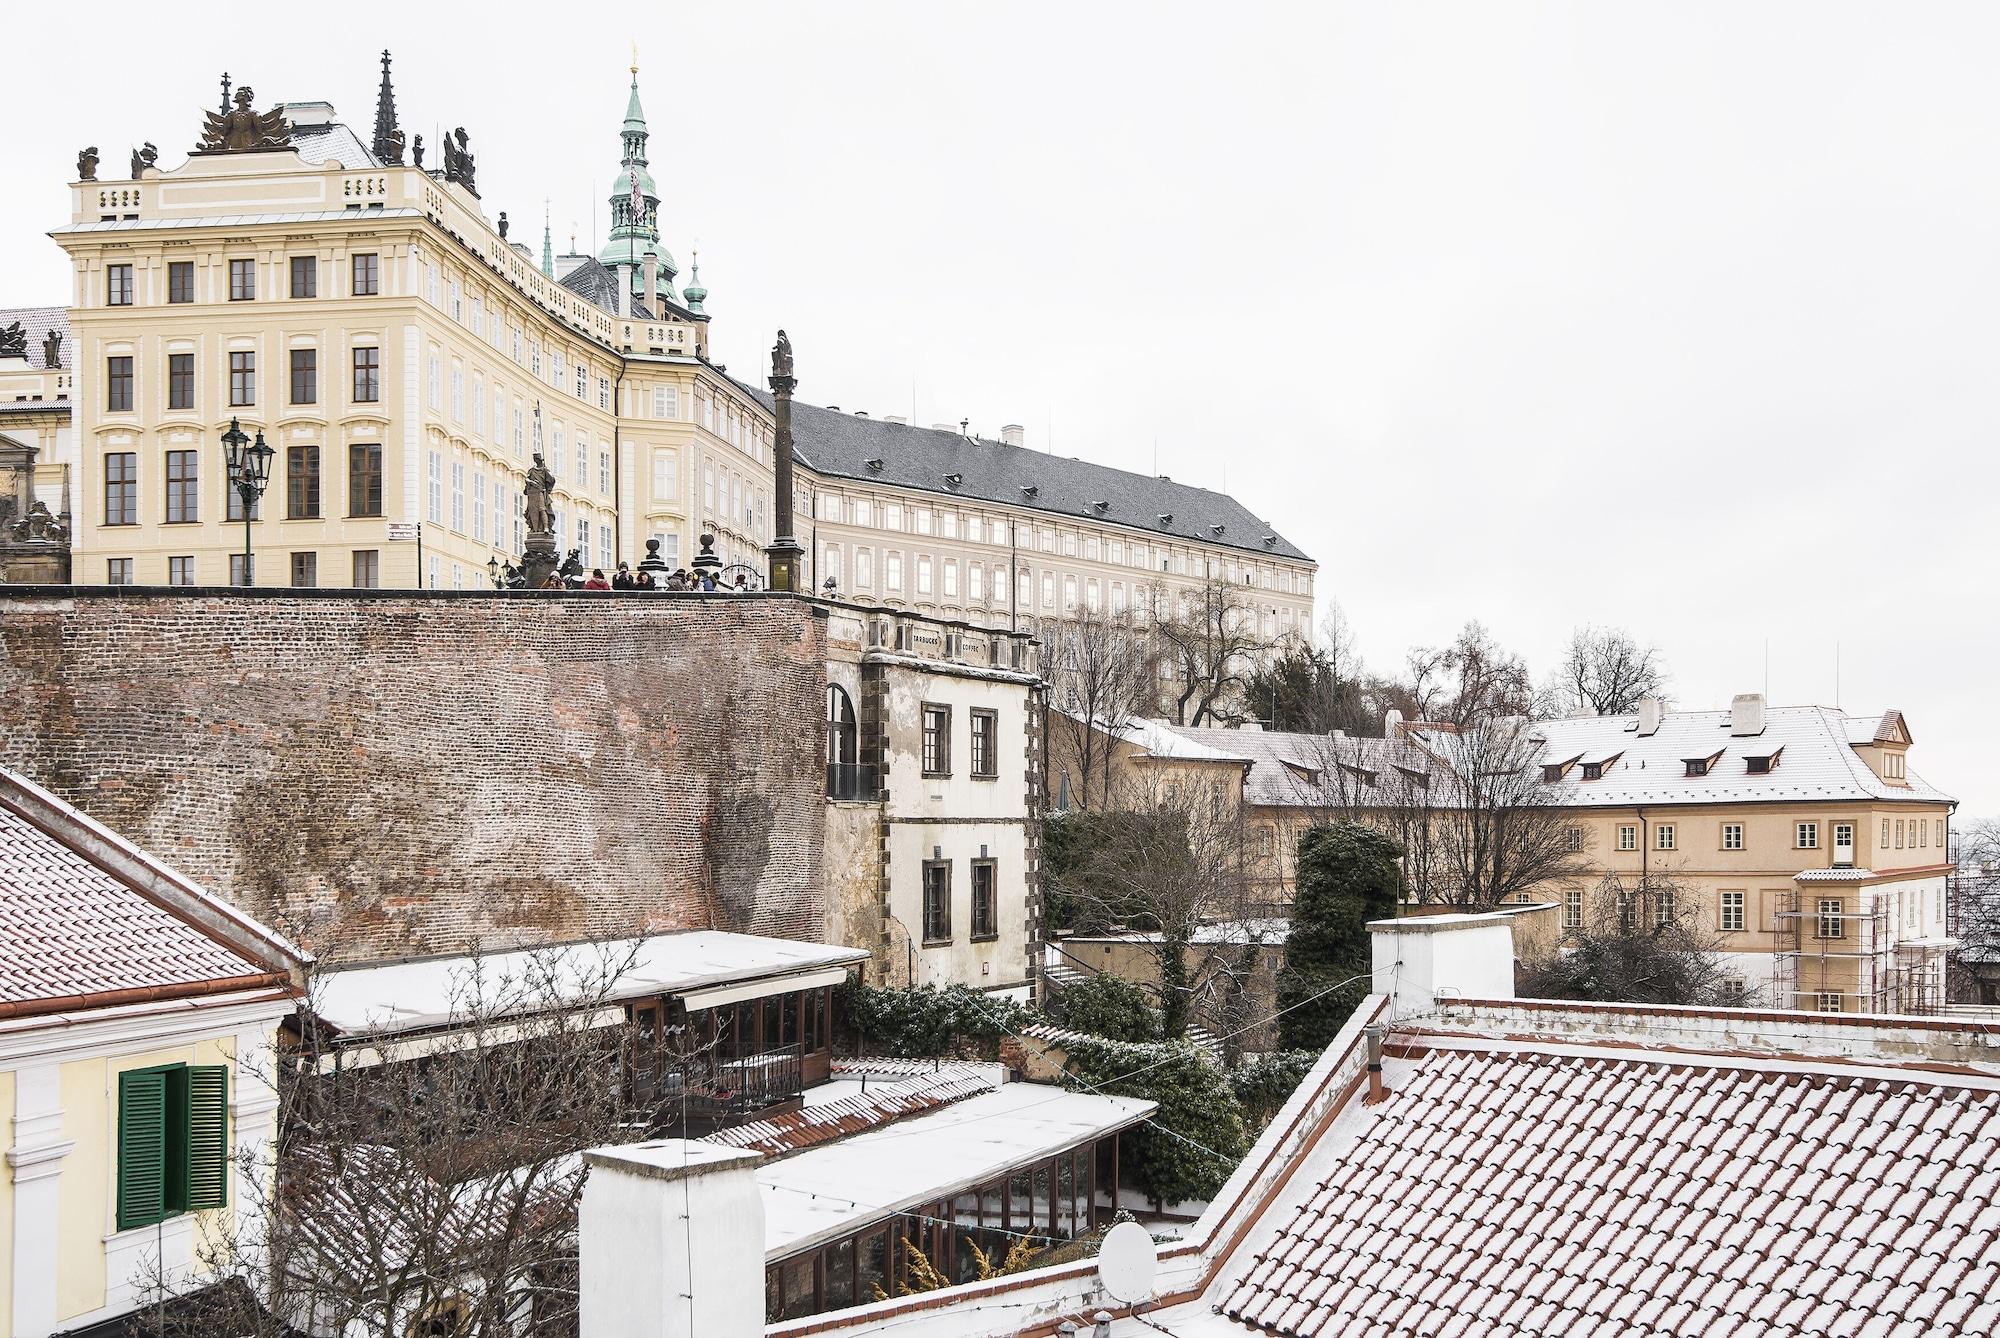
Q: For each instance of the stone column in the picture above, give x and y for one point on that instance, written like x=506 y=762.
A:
x=785 y=552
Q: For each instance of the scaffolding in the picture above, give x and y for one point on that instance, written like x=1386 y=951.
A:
x=1837 y=951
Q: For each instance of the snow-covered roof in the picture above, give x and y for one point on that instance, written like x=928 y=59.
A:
x=1516 y=1190
x=1818 y=761
x=841 y=1187
x=1253 y=929
x=437 y=991
x=1814 y=747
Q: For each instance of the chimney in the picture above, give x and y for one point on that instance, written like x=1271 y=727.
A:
x=1746 y=714
x=1392 y=723
x=1377 y=1093
x=1649 y=717
x=657 y=1217
x=1014 y=434
x=651 y=270
x=1422 y=959
x=625 y=290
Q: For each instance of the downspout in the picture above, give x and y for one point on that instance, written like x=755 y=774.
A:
x=618 y=552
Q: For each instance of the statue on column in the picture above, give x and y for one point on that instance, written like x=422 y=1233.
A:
x=781 y=356
x=541 y=518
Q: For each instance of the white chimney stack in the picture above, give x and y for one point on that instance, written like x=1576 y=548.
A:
x=1013 y=434
x=651 y=270
x=671 y=1242
x=1746 y=714
x=1650 y=712
x=1421 y=959
x=1392 y=723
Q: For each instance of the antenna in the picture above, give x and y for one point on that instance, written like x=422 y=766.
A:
x=1836 y=675
x=1767 y=668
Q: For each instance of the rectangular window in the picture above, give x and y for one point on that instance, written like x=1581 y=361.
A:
x=118 y=385
x=985 y=913
x=479 y=506
x=1827 y=1001
x=666 y=476
x=367 y=271
x=1732 y=836
x=242 y=379
x=305 y=376
x=937 y=740
x=118 y=285
x=937 y=901
x=923 y=574
x=305 y=276
x=242 y=280
x=301 y=484
x=458 y=496
x=1572 y=838
x=1831 y=923
x=1663 y=836
x=892 y=571
x=1808 y=836
x=173 y=1142
x=180 y=380
x=1663 y=908
x=985 y=744
x=1843 y=837
x=180 y=571
x=364 y=480
x=367 y=375
x=183 y=488
x=236 y=570
x=864 y=569
x=180 y=281
x=434 y=509
x=1731 y=920
x=1573 y=908
x=121 y=488
x=118 y=571
x=305 y=570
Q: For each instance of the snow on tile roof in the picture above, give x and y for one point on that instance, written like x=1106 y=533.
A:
x=864 y=1107
x=74 y=925
x=1310 y=770
x=1523 y=1192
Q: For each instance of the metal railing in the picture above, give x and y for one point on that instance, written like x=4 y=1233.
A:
x=722 y=1083
x=853 y=780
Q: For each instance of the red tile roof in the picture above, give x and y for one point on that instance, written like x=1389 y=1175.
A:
x=71 y=928
x=1533 y=1193
x=914 y=1094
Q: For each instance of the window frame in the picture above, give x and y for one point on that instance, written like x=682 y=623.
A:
x=306 y=268
x=181 y=500
x=173 y=1158
x=118 y=285
x=180 y=282
x=1732 y=906
x=988 y=767
x=991 y=900
x=303 y=464
x=364 y=274
x=242 y=280
x=242 y=378
x=364 y=478
x=1628 y=836
x=180 y=381
x=1664 y=836
x=1732 y=836
x=935 y=755
x=1805 y=835
x=305 y=375
x=120 y=383
x=124 y=477
x=936 y=917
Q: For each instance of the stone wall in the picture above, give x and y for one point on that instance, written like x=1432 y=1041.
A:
x=415 y=772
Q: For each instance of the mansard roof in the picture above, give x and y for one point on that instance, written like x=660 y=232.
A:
x=873 y=450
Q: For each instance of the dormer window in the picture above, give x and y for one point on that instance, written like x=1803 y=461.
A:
x=1593 y=771
x=1270 y=541
x=1696 y=766
x=1216 y=530
x=1102 y=507
x=1552 y=773
x=875 y=465
x=1893 y=766
x=1762 y=764
x=1031 y=492
x=1166 y=518
x=953 y=480
x=1303 y=773
x=1362 y=774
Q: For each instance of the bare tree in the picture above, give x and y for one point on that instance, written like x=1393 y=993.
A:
x=1973 y=969
x=1498 y=828
x=1641 y=942
x=1472 y=679
x=431 y=1187
x=1606 y=672
x=1312 y=687
x=1101 y=675
x=1210 y=637
x=1170 y=864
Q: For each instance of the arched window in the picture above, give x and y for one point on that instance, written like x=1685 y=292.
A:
x=842 y=776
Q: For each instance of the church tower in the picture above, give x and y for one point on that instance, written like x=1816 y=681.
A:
x=634 y=235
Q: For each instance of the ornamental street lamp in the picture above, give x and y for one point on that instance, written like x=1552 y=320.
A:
x=250 y=473
x=493 y=573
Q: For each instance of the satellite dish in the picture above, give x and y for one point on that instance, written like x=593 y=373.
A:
x=1127 y=1263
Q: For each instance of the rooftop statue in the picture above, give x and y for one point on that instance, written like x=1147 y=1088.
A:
x=143 y=158
x=242 y=129
x=52 y=349
x=86 y=164
x=14 y=341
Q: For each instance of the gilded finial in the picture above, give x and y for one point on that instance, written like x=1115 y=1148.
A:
x=635 y=62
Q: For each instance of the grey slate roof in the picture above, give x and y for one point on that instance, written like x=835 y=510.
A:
x=38 y=321
x=841 y=445
x=596 y=284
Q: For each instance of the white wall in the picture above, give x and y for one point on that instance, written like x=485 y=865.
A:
x=672 y=1239
x=1424 y=957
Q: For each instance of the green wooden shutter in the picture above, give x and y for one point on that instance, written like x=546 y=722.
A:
x=208 y=1136
x=142 y=1147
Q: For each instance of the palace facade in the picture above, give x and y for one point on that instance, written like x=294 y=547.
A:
x=404 y=359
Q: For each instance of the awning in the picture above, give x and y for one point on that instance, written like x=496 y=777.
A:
x=762 y=989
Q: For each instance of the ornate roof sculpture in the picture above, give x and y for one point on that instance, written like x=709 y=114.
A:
x=241 y=128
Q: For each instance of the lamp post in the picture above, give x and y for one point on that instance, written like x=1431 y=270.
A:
x=493 y=573
x=249 y=472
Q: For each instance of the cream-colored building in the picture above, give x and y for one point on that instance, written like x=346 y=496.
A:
x=136 y=1040
x=405 y=360
x=1813 y=854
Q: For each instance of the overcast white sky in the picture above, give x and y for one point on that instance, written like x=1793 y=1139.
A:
x=1675 y=317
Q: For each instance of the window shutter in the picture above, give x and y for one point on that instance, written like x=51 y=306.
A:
x=142 y=1148
x=208 y=1136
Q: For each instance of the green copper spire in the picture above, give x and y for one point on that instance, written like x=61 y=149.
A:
x=548 y=244
x=633 y=236
x=694 y=292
